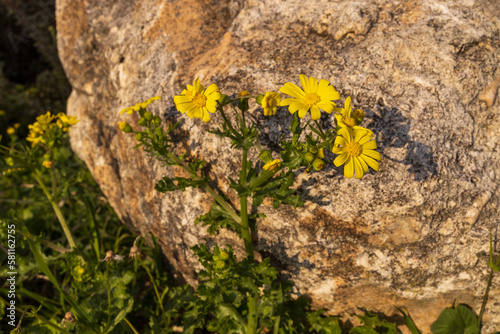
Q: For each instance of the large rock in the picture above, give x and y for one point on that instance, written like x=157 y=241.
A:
x=426 y=73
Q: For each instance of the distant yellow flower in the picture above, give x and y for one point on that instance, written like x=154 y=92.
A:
x=47 y=164
x=66 y=121
x=9 y=161
x=138 y=106
x=314 y=97
x=196 y=101
x=243 y=93
x=11 y=130
x=356 y=150
x=270 y=103
x=275 y=164
x=349 y=119
x=2 y=112
x=17 y=125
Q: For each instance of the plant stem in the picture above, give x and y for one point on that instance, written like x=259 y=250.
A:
x=109 y=296
x=131 y=326
x=485 y=299
x=320 y=129
x=252 y=315
x=58 y=212
x=245 y=228
x=156 y=290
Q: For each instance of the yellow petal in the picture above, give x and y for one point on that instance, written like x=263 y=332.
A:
x=349 y=168
x=313 y=85
x=341 y=159
x=371 y=162
x=358 y=168
x=326 y=106
x=206 y=116
x=315 y=113
x=292 y=90
x=212 y=92
x=287 y=102
x=372 y=154
x=305 y=83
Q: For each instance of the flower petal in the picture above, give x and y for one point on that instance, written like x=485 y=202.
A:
x=212 y=92
x=372 y=154
x=358 y=168
x=326 y=106
x=286 y=102
x=211 y=105
x=303 y=110
x=206 y=116
x=341 y=159
x=292 y=90
x=305 y=83
x=363 y=164
x=371 y=162
x=315 y=113
x=368 y=145
x=349 y=168
x=313 y=85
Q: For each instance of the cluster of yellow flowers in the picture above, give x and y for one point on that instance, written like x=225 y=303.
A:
x=44 y=125
x=354 y=145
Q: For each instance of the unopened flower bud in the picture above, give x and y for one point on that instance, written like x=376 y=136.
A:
x=358 y=116
x=156 y=120
x=148 y=115
x=139 y=136
x=313 y=150
x=142 y=121
x=318 y=164
x=321 y=152
x=9 y=161
x=125 y=127
x=46 y=157
x=159 y=131
x=265 y=156
x=309 y=157
x=224 y=256
x=69 y=317
x=220 y=264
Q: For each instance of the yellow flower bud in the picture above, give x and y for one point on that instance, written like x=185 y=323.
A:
x=142 y=121
x=11 y=131
x=157 y=120
x=224 y=256
x=220 y=264
x=275 y=164
x=309 y=157
x=9 y=161
x=148 y=115
x=125 y=127
x=321 y=152
x=47 y=164
x=318 y=164
x=243 y=93
x=139 y=136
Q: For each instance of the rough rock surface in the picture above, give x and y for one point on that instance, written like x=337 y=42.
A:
x=426 y=73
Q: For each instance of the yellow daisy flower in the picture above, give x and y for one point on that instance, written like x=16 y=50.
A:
x=270 y=103
x=356 y=150
x=138 y=106
x=196 y=101
x=314 y=97
x=349 y=119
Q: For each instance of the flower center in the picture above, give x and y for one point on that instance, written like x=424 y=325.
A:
x=312 y=99
x=353 y=149
x=271 y=103
x=200 y=100
x=349 y=122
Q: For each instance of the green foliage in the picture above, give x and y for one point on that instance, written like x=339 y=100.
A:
x=459 y=319
x=372 y=324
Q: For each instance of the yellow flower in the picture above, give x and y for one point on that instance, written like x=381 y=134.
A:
x=17 y=125
x=270 y=103
x=11 y=131
x=243 y=93
x=276 y=163
x=34 y=138
x=45 y=119
x=66 y=120
x=356 y=150
x=196 y=101
x=47 y=164
x=138 y=106
x=349 y=119
x=314 y=97
x=2 y=112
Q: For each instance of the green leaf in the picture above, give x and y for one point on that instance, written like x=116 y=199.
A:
x=409 y=322
x=121 y=314
x=456 y=320
x=373 y=325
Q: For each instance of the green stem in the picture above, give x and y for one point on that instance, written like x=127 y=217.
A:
x=109 y=295
x=245 y=228
x=58 y=212
x=131 y=326
x=252 y=315
x=320 y=129
x=485 y=299
x=155 y=287
x=208 y=188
